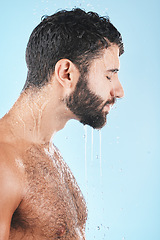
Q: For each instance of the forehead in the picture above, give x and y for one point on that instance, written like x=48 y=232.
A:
x=108 y=60
x=111 y=57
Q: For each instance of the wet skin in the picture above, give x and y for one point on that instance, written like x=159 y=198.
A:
x=51 y=204
x=39 y=196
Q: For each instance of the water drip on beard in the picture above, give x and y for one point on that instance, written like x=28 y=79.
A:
x=100 y=154
x=101 y=187
x=86 y=176
x=92 y=147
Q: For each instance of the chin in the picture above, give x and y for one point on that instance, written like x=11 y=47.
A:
x=99 y=126
x=96 y=122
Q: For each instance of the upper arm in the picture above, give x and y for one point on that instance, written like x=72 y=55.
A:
x=9 y=196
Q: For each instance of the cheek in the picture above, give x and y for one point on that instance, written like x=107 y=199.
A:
x=97 y=81
x=101 y=88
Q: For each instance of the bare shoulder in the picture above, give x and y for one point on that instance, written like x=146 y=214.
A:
x=10 y=177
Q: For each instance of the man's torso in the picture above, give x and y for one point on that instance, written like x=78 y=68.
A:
x=53 y=206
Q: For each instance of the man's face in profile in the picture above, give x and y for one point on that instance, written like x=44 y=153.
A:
x=96 y=93
x=86 y=105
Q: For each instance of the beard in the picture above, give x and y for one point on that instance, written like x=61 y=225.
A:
x=86 y=105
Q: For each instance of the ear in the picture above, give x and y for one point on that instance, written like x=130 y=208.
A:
x=66 y=73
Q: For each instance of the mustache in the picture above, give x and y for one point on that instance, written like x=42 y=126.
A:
x=111 y=101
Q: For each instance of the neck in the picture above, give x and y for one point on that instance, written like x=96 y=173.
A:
x=36 y=117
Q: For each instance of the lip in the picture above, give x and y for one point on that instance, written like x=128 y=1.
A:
x=107 y=107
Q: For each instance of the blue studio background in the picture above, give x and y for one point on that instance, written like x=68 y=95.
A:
x=117 y=168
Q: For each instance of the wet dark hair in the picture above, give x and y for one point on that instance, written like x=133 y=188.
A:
x=75 y=35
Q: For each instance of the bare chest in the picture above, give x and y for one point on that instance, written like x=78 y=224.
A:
x=53 y=206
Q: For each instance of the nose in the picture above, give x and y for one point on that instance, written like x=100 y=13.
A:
x=117 y=90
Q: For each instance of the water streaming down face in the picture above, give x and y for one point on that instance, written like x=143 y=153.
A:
x=92 y=147
x=100 y=153
x=93 y=166
x=85 y=137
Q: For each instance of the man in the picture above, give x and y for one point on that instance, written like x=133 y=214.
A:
x=73 y=62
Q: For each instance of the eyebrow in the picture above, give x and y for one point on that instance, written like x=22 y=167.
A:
x=113 y=70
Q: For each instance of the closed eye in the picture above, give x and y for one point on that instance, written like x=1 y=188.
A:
x=108 y=78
